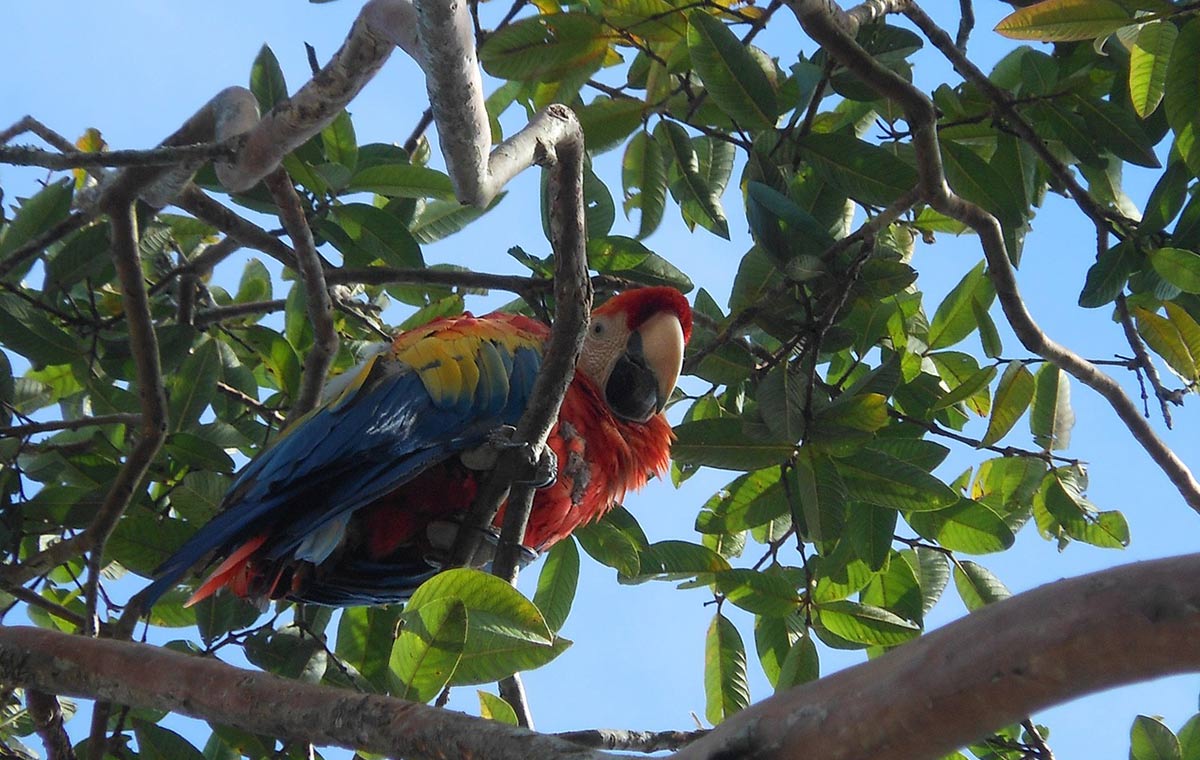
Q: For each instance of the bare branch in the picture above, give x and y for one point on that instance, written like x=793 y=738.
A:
x=632 y=741
x=196 y=202
x=139 y=675
x=206 y=317
x=32 y=428
x=993 y=668
x=20 y=155
x=320 y=307
x=818 y=20
x=1144 y=361
x=143 y=344
x=29 y=124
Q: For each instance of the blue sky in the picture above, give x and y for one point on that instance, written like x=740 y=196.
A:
x=136 y=69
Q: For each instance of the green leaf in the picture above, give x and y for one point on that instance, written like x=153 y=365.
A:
x=1149 y=58
x=801 y=665
x=218 y=614
x=967 y=390
x=505 y=631
x=1187 y=327
x=1177 y=266
x=977 y=180
x=428 y=649
x=750 y=500
x=1107 y=277
x=84 y=255
x=28 y=332
x=725 y=686
x=36 y=215
x=932 y=570
x=193 y=387
x=968 y=526
x=278 y=356
x=692 y=189
x=782 y=397
x=614 y=540
x=870 y=530
x=545 y=48
x=606 y=122
x=1179 y=100
x=495 y=708
x=880 y=479
x=897 y=590
x=142 y=541
x=955 y=317
x=773 y=639
x=438 y=219
x=1064 y=20
x=266 y=80
x=864 y=624
x=628 y=258
x=722 y=443
x=675 y=560
x=644 y=182
x=1117 y=129
x=158 y=743
x=365 y=234
x=1150 y=739
x=557 y=582
x=867 y=173
x=402 y=181
x=732 y=76
x=1051 y=417
x=977 y=586
x=1189 y=739
x=339 y=141
x=1166 y=340
x=1013 y=394
x=364 y=641
x=760 y=593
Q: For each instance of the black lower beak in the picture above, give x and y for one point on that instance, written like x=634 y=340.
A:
x=632 y=390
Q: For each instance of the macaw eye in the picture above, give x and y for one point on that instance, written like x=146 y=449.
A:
x=597 y=328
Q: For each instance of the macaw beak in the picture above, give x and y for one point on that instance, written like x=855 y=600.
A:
x=644 y=376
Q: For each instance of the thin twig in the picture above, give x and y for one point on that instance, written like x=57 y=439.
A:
x=1144 y=362
x=32 y=248
x=196 y=202
x=30 y=124
x=320 y=307
x=33 y=428
x=206 y=317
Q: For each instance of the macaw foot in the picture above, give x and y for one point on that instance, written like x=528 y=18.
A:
x=442 y=533
x=483 y=457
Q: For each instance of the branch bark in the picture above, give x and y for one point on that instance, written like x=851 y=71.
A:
x=922 y=700
x=145 y=676
x=995 y=667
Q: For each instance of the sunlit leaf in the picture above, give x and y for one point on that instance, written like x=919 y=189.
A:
x=725 y=687
x=731 y=75
x=1064 y=20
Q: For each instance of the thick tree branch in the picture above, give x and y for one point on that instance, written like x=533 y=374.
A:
x=995 y=667
x=923 y=700
x=144 y=676
x=820 y=20
x=319 y=305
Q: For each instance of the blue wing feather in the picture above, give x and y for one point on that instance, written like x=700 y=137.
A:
x=380 y=433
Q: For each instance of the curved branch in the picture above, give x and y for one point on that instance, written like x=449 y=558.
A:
x=992 y=668
x=319 y=304
x=139 y=675
x=822 y=21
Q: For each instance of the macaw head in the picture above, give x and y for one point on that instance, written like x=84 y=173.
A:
x=633 y=351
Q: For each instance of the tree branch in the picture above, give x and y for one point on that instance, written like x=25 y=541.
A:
x=48 y=722
x=996 y=666
x=32 y=428
x=21 y=155
x=820 y=21
x=319 y=305
x=145 y=676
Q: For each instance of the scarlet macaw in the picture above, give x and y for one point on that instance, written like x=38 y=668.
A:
x=355 y=504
